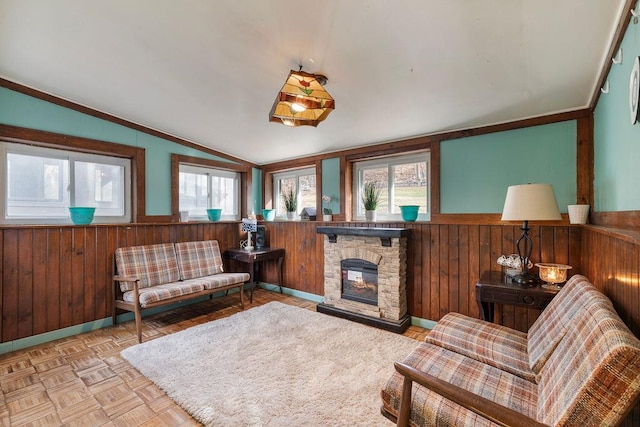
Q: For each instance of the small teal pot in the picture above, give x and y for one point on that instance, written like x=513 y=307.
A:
x=81 y=215
x=269 y=214
x=214 y=214
x=409 y=212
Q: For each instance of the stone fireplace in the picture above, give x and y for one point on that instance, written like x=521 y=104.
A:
x=365 y=275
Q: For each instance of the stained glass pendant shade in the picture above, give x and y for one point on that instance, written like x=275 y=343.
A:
x=302 y=101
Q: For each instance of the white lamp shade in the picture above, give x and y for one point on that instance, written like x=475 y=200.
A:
x=531 y=202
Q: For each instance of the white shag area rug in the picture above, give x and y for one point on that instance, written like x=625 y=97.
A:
x=275 y=365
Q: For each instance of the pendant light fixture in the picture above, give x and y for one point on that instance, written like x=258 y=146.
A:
x=302 y=101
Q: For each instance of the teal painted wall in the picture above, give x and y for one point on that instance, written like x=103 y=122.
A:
x=17 y=109
x=616 y=140
x=476 y=171
x=331 y=183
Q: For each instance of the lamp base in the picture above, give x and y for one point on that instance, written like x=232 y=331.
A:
x=525 y=279
x=551 y=286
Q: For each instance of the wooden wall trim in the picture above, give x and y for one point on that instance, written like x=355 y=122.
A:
x=113 y=119
x=623 y=220
x=621 y=29
x=87 y=145
x=584 y=161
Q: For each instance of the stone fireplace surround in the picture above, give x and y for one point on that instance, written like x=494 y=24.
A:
x=385 y=247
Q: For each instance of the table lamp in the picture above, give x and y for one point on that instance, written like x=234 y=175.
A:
x=250 y=225
x=529 y=202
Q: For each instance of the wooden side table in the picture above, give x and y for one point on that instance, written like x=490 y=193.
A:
x=253 y=259
x=495 y=288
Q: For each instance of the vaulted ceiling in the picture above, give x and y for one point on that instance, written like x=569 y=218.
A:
x=208 y=71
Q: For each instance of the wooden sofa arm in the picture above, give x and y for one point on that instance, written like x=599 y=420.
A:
x=117 y=278
x=488 y=409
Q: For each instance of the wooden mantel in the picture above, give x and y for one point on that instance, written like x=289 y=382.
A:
x=385 y=234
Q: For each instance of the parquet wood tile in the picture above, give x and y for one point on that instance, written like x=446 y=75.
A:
x=83 y=380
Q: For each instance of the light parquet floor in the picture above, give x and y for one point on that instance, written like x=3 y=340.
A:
x=83 y=380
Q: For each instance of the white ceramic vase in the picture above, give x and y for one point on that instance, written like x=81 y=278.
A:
x=291 y=216
x=370 y=216
x=327 y=217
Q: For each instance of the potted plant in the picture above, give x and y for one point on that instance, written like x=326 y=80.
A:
x=370 y=199
x=290 y=203
x=326 y=212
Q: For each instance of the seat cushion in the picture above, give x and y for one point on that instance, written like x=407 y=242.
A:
x=549 y=328
x=222 y=279
x=495 y=345
x=593 y=375
x=198 y=259
x=163 y=292
x=431 y=409
x=152 y=264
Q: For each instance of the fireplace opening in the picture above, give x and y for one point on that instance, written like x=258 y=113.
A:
x=359 y=281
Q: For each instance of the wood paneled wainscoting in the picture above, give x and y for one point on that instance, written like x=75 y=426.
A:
x=446 y=261
x=54 y=277
x=59 y=276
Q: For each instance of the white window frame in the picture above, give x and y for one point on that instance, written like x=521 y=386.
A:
x=69 y=199
x=278 y=203
x=213 y=172
x=390 y=161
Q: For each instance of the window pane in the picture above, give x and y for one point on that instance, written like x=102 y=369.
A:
x=285 y=185
x=380 y=176
x=201 y=188
x=100 y=186
x=410 y=185
x=307 y=192
x=36 y=186
x=223 y=191
x=193 y=193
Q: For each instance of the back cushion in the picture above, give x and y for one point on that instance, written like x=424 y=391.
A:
x=198 y=259
x=550 y=327
x=151 y=264
x=593 y=376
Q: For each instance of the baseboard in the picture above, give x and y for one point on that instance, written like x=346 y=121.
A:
x=19 y=344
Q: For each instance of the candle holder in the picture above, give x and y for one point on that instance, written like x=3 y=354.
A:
x=553 y=274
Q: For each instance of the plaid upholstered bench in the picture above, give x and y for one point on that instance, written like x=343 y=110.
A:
x=579 y=365
x=155 y=275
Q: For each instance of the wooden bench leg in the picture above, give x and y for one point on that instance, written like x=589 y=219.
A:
x=241 y=289
x=138 y=316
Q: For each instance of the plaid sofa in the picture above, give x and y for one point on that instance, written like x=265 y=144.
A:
x=154 y=275
x=578 y=365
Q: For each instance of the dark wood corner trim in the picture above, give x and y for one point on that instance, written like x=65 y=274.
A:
x=621 y=29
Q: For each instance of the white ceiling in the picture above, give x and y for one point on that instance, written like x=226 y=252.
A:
x=208 y=71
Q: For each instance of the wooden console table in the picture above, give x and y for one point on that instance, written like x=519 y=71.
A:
x=495 y=288
x=253 y=259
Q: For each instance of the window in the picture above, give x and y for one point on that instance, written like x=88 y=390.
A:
x=202 y=188
x=39 y=185
x=402 y=180
x=302 y=182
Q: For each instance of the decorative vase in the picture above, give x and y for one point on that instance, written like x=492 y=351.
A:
x=578 y=214
x=370 y=216
x=269 y=214
x=409 y=212
x=327 y=217
x=214 y=214
x=291 y=216
x=81 y=215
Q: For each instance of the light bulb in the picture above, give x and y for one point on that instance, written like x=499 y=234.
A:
x=298 y=108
